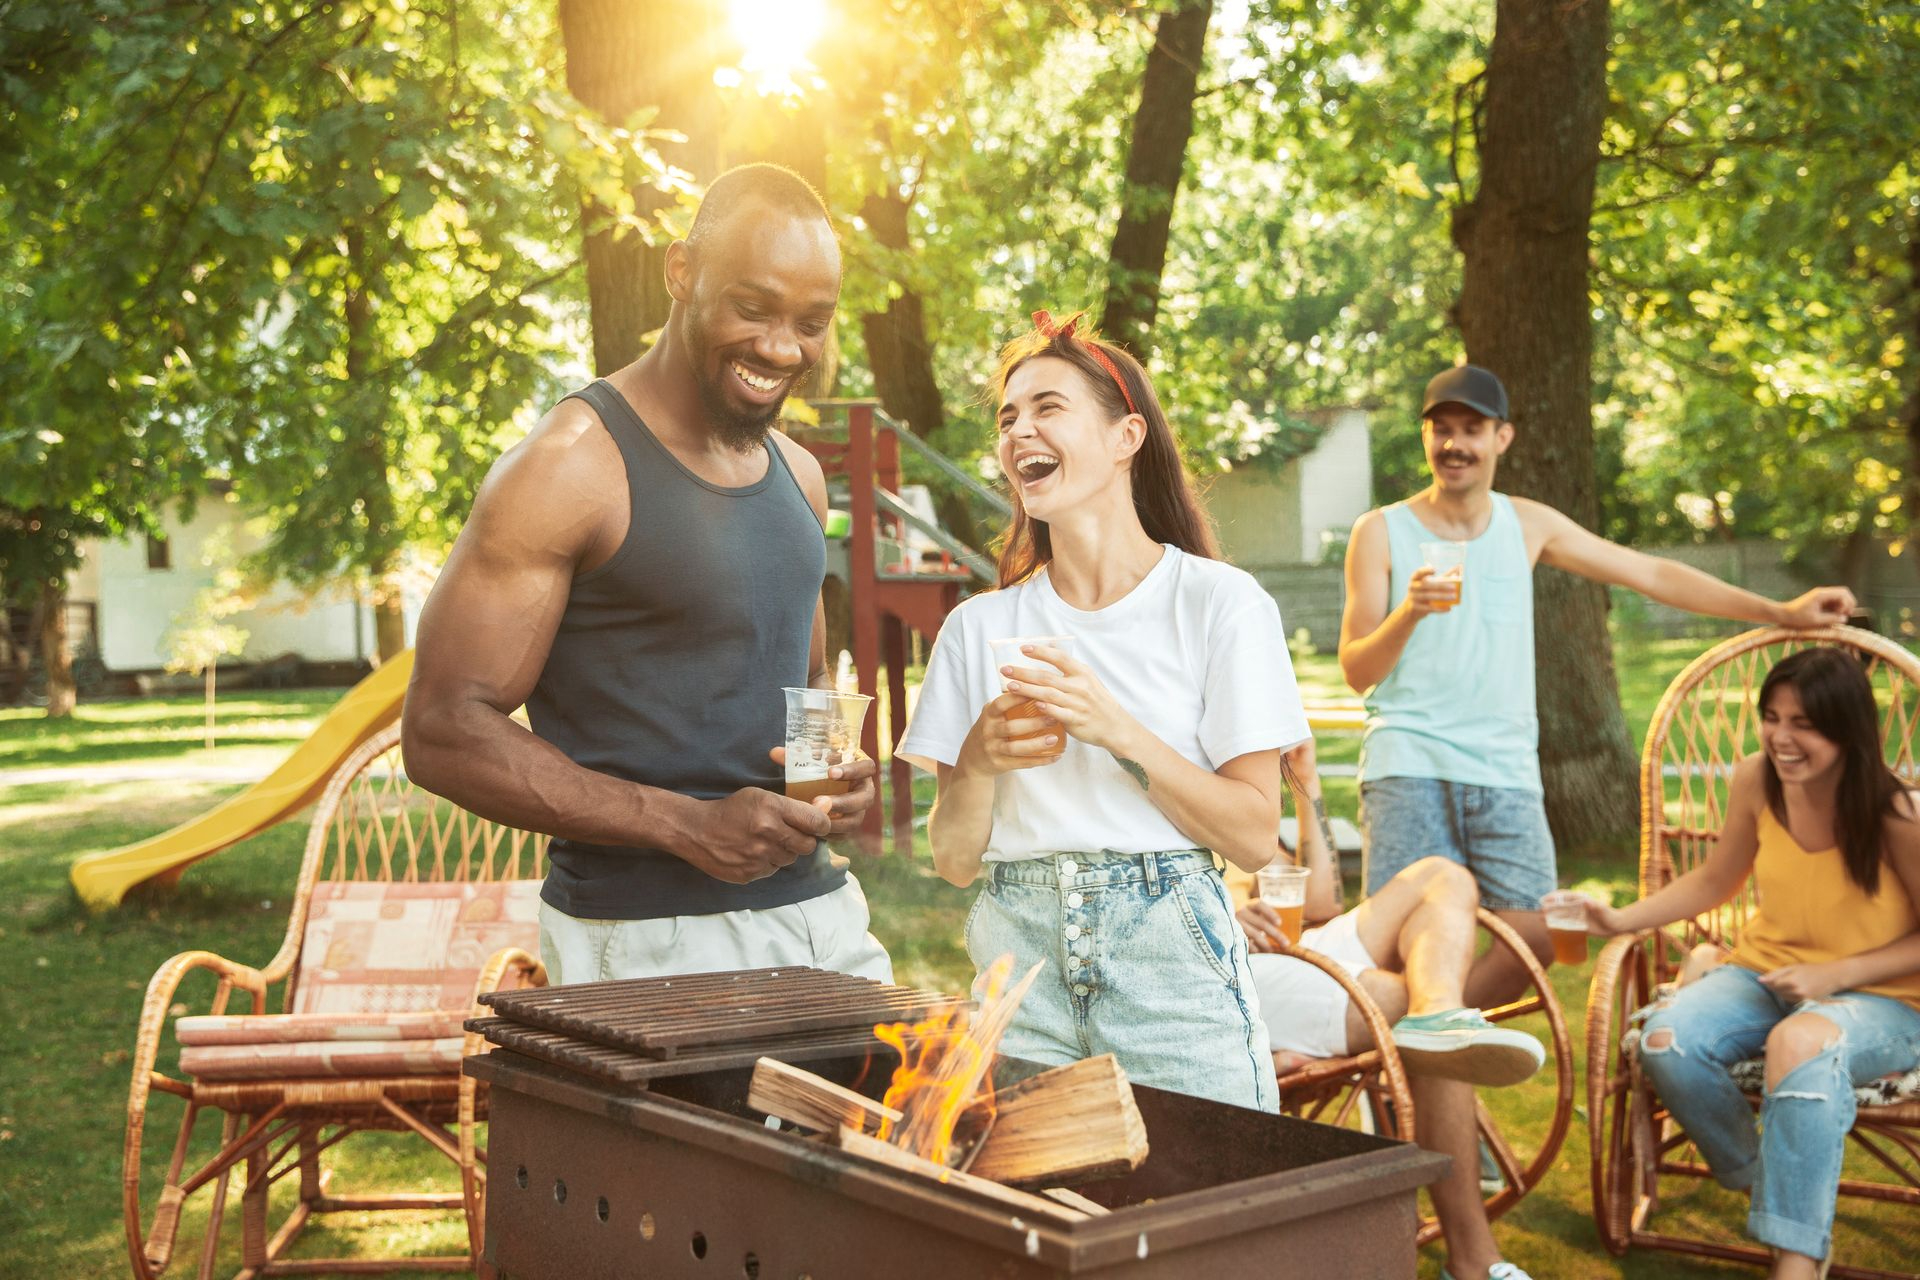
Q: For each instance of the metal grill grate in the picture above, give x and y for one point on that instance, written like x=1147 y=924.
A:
x=635 y=1030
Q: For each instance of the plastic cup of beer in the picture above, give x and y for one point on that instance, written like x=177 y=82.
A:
x=1284 y=888
x=1567 y=923
x=1007 y=653
x=1448 y=560
x=823 y=730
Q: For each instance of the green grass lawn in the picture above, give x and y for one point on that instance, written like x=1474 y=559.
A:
x=80 y=979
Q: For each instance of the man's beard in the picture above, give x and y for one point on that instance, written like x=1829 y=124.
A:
x=733 y=426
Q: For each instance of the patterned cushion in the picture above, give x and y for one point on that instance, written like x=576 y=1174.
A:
x=386 y=978
x=1751 y=1076
x=1902 y=1086
x=322 y=1058
x=378 y=948
x=294 y=1028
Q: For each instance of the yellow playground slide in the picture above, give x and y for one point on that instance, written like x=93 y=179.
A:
x=102 y=879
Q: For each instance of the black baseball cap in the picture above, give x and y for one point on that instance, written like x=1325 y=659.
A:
x=1470 y=385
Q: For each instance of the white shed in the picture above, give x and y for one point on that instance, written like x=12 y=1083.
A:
x=137 y=587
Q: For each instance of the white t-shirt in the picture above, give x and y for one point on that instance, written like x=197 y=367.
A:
x=1195 y=653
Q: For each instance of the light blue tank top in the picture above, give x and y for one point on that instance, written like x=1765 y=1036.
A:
x=1458 y=705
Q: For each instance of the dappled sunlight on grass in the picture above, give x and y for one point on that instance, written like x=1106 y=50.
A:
x=106 y=814
x=106 y=732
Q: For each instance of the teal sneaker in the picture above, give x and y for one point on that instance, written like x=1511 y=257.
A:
x=1460 y=1044
x=1502 y=1270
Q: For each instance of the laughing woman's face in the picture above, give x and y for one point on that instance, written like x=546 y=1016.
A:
x=1058 y=445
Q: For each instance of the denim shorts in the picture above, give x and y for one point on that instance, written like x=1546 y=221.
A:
x=1142 y=958
x=1498 y=833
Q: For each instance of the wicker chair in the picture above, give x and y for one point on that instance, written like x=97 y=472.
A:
x=1706 y=722
x=405 y=909
x=1370 y=1090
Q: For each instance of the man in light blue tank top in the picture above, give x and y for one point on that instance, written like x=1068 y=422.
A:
x=1450 y=762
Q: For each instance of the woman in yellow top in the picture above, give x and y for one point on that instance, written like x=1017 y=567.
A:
x=1826 y=977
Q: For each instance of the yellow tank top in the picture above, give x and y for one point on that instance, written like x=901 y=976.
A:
x=1811 y=911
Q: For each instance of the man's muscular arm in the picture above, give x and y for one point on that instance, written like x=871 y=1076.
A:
x=553 y=505
x=1561 y=542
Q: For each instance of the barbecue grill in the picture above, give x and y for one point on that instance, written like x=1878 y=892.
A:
x=622 y=1144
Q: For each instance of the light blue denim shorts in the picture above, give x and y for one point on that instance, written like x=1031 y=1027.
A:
x=1498 y=833
x=1141 y=958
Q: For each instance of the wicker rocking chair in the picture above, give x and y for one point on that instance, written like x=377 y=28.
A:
x=1370 y=1090
x=1707 y=721
x=405 y=909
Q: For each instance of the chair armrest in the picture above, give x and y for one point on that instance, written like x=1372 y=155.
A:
x=159 y=999
x=1384 y=1051
x=506 y=962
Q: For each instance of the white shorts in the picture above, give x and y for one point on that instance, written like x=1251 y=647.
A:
x=828 y=932
x=1304 y=1008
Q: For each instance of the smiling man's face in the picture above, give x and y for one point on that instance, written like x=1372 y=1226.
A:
x=759 y=295
x=1464 y=446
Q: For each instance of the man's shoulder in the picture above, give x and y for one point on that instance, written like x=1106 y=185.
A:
x=799 y=458
x=1531 y=510
x=568 y=433
x=1368 y=539
x=568 y=448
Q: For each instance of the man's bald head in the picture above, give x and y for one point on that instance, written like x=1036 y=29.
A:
x=768 y=188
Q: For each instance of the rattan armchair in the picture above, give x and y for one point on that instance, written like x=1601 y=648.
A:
x=405 y=909
x=1706 y=722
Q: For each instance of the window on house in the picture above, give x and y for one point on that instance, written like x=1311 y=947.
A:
x=159 y=553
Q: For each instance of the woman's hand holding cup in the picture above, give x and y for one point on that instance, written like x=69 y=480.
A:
x=1598 y=918
x=998 y=744
x=1071 y=695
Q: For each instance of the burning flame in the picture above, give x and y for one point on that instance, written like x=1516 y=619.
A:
x=942 y=1072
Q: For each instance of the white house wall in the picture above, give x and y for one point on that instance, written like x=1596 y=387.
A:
x=1336 y=481
x=137 y=606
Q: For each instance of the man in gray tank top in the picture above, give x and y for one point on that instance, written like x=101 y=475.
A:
x=643 y=573
x=1449 y=765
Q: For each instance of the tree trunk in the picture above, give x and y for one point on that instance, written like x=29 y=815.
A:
x=376 y=486
x=389 y=623
x=1524 y=313
x=623 y=56
x=1910 y=409
x=211 y=667
x=21 y=644
x=901 y=357
x=56 y=659
x=1161 y=127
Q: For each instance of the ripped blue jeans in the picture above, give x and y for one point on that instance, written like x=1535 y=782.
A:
x=1689 y=1043
x=1142 y=959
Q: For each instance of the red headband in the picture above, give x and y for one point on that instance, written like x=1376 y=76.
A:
x=1044 y=322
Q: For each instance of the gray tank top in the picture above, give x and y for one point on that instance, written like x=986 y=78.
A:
x=668 y=664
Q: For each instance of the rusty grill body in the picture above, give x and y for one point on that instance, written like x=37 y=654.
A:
x=605 y=1162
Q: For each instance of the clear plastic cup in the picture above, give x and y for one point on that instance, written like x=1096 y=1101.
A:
x=1006 y=653
x=1284 y=888
x=1567 y=924
x=823 y=730
x=1448 y=560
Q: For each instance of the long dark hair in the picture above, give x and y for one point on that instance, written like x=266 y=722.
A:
x=1837 y=699
x=1163 y=495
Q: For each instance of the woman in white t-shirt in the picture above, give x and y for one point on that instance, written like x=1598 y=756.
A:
x=1172 y=708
